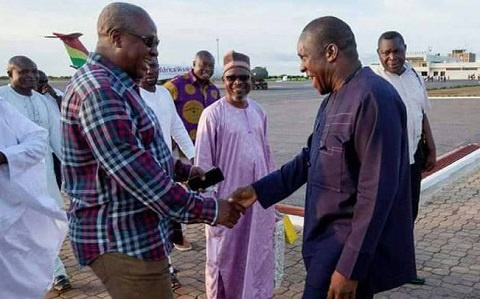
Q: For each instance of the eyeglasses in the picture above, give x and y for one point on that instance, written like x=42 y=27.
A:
x=149 y=41
x=233 y=78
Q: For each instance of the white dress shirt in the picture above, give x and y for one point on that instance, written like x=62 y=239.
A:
x=411 y=88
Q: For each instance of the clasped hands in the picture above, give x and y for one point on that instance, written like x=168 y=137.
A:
x=230 y=210
x=237 y=203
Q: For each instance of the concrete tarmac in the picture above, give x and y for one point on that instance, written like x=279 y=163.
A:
x=291 y=108
x=447 y=247
x=447 y=230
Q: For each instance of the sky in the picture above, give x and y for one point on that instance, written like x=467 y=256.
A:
x=266 y=30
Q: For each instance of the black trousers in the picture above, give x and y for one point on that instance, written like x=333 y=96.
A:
x=57 y=167
x=177 y=233
x=416 y=179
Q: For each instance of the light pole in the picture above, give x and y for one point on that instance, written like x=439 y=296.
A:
x=218 y=51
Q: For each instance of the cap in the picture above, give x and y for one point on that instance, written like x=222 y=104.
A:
x=234 y=59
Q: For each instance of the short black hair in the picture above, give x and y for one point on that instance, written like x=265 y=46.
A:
x=204 y=54
x=329 y=29
x=389 y=35
x=17 y=60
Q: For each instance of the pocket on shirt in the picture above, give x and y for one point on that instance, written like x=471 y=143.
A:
x=330 y=164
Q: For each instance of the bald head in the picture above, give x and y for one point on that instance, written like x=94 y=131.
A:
x=331 y=30
x=119 y=15
x=127 y=37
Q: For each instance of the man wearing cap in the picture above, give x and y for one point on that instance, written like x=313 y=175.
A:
x=232 y=135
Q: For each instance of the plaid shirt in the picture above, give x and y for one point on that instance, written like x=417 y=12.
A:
x=118 y=171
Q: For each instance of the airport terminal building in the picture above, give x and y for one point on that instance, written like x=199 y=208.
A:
x=458 y=65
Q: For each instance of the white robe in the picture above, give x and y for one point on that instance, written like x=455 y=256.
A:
x=32 y=225
x=44 y=113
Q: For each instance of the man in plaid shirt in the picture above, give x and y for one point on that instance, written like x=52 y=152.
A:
x=118 y=170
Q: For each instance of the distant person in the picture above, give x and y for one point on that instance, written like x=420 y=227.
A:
x=159 y=99
x=22 y=72
x=396 y=70
x=119 y=173
x=56 y=96
x=232 y=135
x=32 y=226
x=192 y=92
x=358 y=232
x=47 y=90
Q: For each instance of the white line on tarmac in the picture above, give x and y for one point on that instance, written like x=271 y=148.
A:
x=455 y=97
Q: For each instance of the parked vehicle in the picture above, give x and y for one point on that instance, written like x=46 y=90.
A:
x=259 y=78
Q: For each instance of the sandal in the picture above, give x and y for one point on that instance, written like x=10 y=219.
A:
x=175 y=282
x=185 y=246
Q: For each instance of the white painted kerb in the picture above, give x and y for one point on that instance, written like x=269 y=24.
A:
x=428 y=182
x=448 y=171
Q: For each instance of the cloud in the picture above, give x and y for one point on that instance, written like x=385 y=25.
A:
x=266 y=30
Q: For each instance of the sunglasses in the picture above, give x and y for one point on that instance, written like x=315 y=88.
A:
x=149 y=41
x=233 y=78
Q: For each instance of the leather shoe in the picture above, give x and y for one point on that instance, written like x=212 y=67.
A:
x=417 y=280
x=61 y=283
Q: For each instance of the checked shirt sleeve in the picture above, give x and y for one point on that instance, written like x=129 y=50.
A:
x=116 y=142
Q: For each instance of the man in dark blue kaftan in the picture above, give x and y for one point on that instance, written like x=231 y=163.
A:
x=358 y=234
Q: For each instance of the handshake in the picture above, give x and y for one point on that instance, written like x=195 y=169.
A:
x=238 y=202
x=230 y=210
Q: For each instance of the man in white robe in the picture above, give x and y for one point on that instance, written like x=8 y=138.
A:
x=20 y=93
x=232 y=135
x=32 y=226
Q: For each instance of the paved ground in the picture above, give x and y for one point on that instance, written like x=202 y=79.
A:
x=291 y=109
x=447 y=231
x=448 y=253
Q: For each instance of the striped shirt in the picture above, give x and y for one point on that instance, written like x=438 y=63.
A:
x=118 y=170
